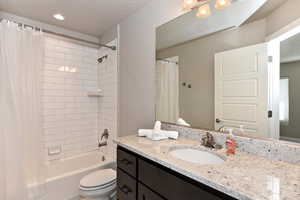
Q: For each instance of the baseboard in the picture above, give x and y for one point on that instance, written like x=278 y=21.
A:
x=290 y=139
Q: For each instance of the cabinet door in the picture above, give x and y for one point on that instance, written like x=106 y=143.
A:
x=126 y=186
x=146 y=194
x=126 y=162
x=174 y=186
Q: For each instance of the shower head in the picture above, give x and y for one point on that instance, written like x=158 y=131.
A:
x=100 y=60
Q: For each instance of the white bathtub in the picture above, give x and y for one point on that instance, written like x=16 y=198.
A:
x=64 y=175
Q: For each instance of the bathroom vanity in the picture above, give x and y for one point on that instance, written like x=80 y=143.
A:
x=147 y=170
x=142 y=179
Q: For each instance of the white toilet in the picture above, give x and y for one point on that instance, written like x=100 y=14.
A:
x=99 y=185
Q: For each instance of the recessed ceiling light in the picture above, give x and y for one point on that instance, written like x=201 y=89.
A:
x=59 y=17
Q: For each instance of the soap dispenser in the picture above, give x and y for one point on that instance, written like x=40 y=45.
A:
x=231 y=144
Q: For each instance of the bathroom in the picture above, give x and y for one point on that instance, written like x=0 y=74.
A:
x=130 y=99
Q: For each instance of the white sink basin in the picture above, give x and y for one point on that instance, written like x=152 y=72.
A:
x=196 y=156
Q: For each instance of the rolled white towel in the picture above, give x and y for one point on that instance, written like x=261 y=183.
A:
x=151 y=134
x=180 y=121
x=145 y=133
x=170 y=134
x=157 y=135
x=157 y=126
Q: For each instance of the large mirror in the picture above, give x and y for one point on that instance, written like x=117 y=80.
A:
x=215 y=70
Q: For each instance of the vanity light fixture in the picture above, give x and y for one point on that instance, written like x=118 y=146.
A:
x=203 y=6
x=204 y=11
x=189 y=4
x=222 y=4
x=59 y=17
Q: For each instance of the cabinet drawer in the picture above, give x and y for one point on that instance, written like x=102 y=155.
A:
x=146 y=194
x=126 y=162
x=126 y=186
x=174 y=186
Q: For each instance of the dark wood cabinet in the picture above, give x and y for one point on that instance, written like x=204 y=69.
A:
x=126 y=186
x=146 y=194
x=142 y=179
x=127 y=162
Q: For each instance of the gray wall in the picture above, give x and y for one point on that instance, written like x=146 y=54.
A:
x=292 y=71
x=196 y=67
x=137 y=64
x=284 y=15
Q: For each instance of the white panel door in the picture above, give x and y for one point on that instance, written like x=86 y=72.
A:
x=241 y=89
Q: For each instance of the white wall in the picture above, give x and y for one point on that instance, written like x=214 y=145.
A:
x=109 y=35
x=137 y=64
x=69 y=116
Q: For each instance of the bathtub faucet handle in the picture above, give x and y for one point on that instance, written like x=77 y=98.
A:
x=105 y=134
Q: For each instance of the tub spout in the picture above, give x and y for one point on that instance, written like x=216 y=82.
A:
x=102 y=144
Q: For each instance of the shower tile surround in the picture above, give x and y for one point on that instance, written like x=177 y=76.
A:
x=71 y=119
x=270 y=149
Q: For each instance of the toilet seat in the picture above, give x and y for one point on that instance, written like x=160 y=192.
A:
x=98 y=180
x=97 y=187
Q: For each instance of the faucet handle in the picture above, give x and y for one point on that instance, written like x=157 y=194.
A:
x=105 y=134
x=208 y=140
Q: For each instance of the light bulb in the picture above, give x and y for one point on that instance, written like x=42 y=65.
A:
x=62 y=69
x=73 y=70
x=189 y=4
x=222 y=4
x=59 y=17
x=204 y=11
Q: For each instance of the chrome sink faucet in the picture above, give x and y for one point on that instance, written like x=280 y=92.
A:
x=209 y=141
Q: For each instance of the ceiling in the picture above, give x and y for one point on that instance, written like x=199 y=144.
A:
x=92 y=17
x=188 y=27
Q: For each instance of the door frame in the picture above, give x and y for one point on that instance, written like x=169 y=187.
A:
x=274 y=41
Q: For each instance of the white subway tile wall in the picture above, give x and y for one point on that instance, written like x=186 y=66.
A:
x=108 y=82
x=70 y=117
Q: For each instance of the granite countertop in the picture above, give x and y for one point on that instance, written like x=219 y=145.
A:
x=243 y=176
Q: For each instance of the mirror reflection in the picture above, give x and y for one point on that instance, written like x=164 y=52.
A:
x=222 y=72
x=289 y=98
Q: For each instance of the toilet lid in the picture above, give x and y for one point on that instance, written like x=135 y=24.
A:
x=98 y=178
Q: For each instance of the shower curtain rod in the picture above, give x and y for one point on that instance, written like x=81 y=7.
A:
x=65 y=36
x=80 y=40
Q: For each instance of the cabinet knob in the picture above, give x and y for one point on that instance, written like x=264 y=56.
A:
x=125 y=189
x=125 y=161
